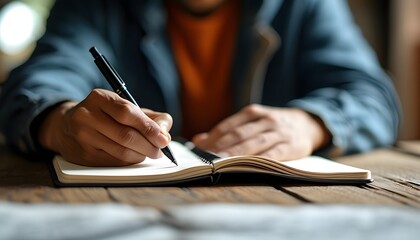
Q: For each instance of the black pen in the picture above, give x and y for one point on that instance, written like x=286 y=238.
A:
x=119 y=87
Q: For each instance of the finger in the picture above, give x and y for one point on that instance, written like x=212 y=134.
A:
x=277 y=152
x=249 y=113
x=97 y=141
x=109 y=160
x=257 y=144
x=243 y=132
x=164 y=120
x=129 y=114
x=200 y=138
x=94 y=122
x=125 y=137
x=284 y=152
x=123 y=153
x=99 y=158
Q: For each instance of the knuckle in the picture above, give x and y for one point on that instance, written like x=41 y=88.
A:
x=97 y=95
x=236 y=150
x=78 y=114
x=96 y=92
x=218 y=131
x=149 y=129
x=239 y=133
x=269 y=154
x=125 y=111
x=272 y=119
x=262 y=139
x=252 y=109
x=127 y=136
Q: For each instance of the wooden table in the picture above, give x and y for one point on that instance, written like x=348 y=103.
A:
x=396 y=172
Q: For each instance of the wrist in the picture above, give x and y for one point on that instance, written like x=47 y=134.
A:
x=320 y=134
x=52 y=125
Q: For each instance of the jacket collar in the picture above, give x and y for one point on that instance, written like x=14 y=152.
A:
x=151 y=17
x=257 y=42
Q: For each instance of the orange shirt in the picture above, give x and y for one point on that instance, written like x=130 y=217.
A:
x=203 y=49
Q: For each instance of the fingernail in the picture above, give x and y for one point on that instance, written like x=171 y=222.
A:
x=203 y=135
x=164 y=126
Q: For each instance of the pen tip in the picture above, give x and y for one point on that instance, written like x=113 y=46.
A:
x=168 y=153
x=171 y=157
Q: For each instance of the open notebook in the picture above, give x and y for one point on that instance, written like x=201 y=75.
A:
x=195 y=164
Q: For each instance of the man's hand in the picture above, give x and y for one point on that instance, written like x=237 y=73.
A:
x=278 y=133
x=105 y=130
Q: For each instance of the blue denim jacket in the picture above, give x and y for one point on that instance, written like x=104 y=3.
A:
x=307 y=54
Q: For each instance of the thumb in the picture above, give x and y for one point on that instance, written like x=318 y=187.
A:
x=164 y=120
x=164 y=123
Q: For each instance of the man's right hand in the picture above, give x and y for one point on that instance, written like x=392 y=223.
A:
x=105 y=130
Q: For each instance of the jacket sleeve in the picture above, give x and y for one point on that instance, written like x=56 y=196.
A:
x=60 y=69
x=343 y=82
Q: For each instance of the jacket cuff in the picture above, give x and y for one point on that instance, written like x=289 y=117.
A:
x=333 y=119
x=24 y=135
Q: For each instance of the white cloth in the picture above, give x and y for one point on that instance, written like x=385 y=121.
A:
x=207 y=222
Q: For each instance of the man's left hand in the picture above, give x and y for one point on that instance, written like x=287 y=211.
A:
x=278 y=133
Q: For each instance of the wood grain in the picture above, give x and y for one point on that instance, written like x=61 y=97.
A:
x=396 y=174
x=410 y=146
x=157 y=197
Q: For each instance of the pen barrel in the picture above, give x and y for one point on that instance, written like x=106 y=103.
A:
x=124 y=93
x=109 y=76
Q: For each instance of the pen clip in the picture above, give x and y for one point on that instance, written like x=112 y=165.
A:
x=118 y=77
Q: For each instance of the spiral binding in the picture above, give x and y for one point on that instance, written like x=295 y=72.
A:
x=205 y=156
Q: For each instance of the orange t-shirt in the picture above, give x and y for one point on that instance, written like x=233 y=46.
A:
x=203 y=49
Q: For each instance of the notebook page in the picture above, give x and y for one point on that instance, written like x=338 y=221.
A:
x=161 y=166
x=320 y=165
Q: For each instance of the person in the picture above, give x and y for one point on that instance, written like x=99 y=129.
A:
x=283 y=79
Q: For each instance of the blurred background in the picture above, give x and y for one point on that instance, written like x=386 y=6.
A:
x=391 y=26
x=21 y=24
